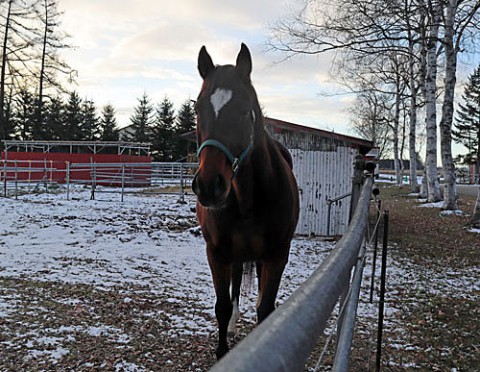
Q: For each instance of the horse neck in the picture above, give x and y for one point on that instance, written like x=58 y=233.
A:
x=256 y=174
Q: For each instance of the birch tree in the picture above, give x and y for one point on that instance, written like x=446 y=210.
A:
x=460 y=18
x=434 y=11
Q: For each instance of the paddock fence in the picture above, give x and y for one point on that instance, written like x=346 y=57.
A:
x=20 y=176
x=285 y=340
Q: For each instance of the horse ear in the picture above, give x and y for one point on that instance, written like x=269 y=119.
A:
x=205 y=63
x=244 y=62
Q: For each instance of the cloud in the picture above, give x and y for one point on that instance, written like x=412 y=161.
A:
x=129 y=47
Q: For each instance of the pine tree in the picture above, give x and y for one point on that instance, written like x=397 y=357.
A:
x=467 y=126
x=24 y=112
x=90 y=122
x=162 y=140
x=186 y=121
x=54 y=120
x=73 y=118
x=142 y=121
x=108 y=124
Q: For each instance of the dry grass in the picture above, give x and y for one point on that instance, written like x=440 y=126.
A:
x=437 y=326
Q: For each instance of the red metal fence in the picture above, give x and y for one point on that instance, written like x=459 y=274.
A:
x=52 y=167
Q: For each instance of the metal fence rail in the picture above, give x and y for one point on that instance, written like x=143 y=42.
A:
x=18 y=175
x=284 y=341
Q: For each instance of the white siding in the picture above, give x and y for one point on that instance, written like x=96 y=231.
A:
x=323 y=175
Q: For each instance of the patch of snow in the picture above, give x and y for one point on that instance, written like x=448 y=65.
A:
x=432 y=205
x=456 y=212
x=124 y=366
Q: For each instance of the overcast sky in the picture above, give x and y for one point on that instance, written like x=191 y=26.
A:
x=127 y=47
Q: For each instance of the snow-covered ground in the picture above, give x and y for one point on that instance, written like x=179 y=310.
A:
x=151 y=243
x=145 y=242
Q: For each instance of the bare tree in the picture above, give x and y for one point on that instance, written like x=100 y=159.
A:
x=377 y=39
x=50 y=41
x=370 y=118
x=31 y=38
x=460 y=19
x=18 y=32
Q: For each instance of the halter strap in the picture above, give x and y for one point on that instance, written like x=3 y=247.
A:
x=234 y=161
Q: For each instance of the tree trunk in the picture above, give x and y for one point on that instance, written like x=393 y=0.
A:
x=475 y=220
x=396 y=125
x=450 y=188
x=39 y=114
x=3 y=122
x=433 y=193
x=412 y=135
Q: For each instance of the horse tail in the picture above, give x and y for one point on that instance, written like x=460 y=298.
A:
x=242 y=277
x=248 y=274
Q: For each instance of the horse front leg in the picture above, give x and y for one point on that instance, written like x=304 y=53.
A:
x=270 y=276
x=221 y=275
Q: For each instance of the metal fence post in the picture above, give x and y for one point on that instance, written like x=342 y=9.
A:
x=381 y=304
x=357 y=181
x=16 y=179
x=375 y=249
x=329 y=211
x=5 y=178
x=182 y=191
x=123 y=181
x=67 y=178
x=45 y=175
x=93 y=172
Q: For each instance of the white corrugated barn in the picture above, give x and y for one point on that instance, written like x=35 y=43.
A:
x=323 y=163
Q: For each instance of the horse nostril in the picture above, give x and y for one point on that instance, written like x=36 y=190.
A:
x=195 y=185
x=209 y=193
x=219 y=186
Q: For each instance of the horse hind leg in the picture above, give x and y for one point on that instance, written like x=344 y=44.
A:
x=271 y=274
x=237 y=272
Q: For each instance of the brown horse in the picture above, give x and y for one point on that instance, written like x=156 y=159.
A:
x=247 y=196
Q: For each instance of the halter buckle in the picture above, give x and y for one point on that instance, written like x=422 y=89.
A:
x=235 y=165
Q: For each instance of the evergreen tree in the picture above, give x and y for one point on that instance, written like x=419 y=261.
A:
x=467 y=126
x=162 y=140
x=73 y=118
x=90 y=126
x=24 y=113
x=186 y=121
x=142 y=121
x=108 y=124
x=55 y=128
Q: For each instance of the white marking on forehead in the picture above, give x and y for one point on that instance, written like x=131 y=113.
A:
x=219 y=99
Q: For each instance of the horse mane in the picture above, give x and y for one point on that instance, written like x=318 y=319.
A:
x=285 y=153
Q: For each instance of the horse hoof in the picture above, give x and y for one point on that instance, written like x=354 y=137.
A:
x=221 y=352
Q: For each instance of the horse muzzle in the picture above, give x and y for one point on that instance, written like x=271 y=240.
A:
x=211 y=193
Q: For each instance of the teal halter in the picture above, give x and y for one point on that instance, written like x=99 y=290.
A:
x=234 y=161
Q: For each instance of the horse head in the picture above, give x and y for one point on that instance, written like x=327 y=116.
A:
x=227 y=115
